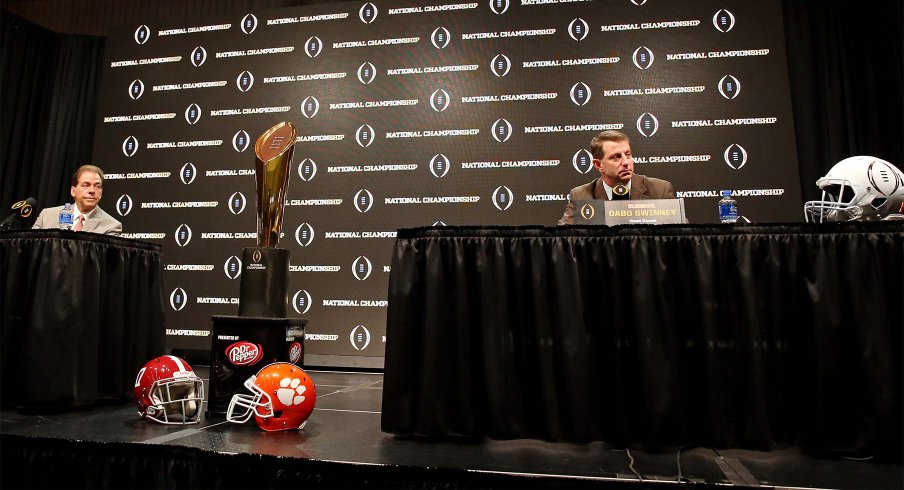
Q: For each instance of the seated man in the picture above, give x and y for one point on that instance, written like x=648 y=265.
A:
x=87 y=189
x=611 y=152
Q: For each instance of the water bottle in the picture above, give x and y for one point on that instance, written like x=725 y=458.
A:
x=728 y=208
x=66 y=217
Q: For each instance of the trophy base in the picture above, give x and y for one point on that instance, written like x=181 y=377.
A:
x=264 y=282
x=275 y=340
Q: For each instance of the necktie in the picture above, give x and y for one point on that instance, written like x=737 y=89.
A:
x=81 y=222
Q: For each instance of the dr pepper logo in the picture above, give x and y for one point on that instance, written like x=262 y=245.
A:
x=244 y=353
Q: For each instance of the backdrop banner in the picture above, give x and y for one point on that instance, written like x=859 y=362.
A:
x=414 y=113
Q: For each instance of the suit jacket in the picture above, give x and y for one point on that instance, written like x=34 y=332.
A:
x=642 y=187
x=100 y=221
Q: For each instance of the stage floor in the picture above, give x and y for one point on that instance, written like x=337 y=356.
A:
x=345 y=429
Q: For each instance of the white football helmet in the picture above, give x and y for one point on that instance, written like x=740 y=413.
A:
x=860 y=188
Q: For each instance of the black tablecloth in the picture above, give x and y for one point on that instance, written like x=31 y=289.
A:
x=81 y=313
x=725 y=336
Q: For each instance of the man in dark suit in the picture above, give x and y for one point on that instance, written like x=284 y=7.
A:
x=611 y=152
x=87 y=189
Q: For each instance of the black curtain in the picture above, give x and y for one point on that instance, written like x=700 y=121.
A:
x=845 y=64
x=845 y=68
x=758 y=337
x=48 y=98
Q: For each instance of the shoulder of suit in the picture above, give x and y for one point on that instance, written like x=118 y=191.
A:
x=105 y=215
x=585 y=189
x=51 y=210
x=651 y=180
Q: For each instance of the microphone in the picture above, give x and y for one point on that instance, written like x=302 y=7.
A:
x=18 y=212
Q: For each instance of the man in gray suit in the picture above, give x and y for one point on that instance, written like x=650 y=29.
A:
x=87 y=189
x=611 y=152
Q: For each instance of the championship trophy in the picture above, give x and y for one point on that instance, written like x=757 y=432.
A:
x=261 y=334
x=264 y=278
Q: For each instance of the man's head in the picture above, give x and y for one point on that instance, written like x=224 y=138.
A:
x=611 y=152
x=87 y=187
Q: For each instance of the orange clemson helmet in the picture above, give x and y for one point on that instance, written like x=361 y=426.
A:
x=282 y=398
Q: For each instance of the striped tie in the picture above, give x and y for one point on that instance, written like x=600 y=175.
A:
x=81 y=222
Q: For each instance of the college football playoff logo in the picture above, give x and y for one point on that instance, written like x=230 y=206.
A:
x=367 y=13
x=364 y=135
x=307 y=169
x=729 y=87
x=232 y=267
x=723 y=21
x=439 y=100
x=582 y=161
x=440 y=37
x=136 y=89
x=237 y=203
x=301 y=301
x=439 y=165
x=142 y=34
x=500 y=65
x=360 y=337
x=130 y=146
x=183 y=235
x=244 y=81
x=193 y=114
x=249 y=23
x=647 y=124
x=178 y=298
x=198 y=56
x=304 y=234
x=578 y=29
x=643 y=58
x=638 y=2
x=364 y=200
x=240 y=141
x=313 y=46
x=499 y=6
x=735 y=156
x=502 y=198
x=361 y=268
x=502 y=130
x=580 y=94
x=124 y=205
x=188 y=173
x=310 y=107
x=366 y=72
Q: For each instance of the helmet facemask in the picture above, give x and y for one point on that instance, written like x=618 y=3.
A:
x=176 y=400
x=258 y=403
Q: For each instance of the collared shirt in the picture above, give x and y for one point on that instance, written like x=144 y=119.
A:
x=76 y=212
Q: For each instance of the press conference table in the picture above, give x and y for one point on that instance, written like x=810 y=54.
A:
x=718 y=335
x=81 y=313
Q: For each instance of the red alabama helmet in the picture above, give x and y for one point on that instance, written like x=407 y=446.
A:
x=282 y=398
x=168 y=391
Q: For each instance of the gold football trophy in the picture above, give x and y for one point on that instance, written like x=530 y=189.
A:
x=273 y=152
x=265 y=268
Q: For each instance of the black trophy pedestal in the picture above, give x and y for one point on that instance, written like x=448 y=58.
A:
x=264 y=280
x=241 y=346
x=260 y=335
